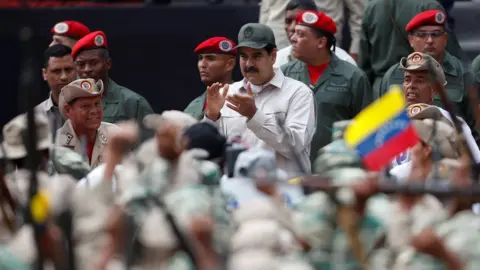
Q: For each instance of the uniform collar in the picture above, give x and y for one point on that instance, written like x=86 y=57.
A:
x=448 y=65
x=48 y=105
x=276 y=81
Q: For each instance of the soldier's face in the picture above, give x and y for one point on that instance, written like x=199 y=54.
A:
x=69 y=42
x=59 y=72
x=290 y=22
x=85 y=113
x=257 y=64
x=417 y=87
x=92 y=64
x=429 y=39
x=306 y=43
x=214 y=67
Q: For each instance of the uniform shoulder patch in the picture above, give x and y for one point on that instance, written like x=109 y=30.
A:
x=69 y=138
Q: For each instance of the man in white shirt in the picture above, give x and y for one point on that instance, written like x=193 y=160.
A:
x=294 y=7
x=265 y=97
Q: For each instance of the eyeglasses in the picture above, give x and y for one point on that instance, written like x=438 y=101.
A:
x=426 y=34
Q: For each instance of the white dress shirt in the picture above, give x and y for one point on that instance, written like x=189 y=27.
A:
x=55 y=118
x=285 y=55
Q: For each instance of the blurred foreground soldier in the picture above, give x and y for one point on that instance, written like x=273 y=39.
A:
x=58 y=71
x=419 y=89
x=92 y=60
x=294 y=7
x=80 y=103
x=341 y=90
x=476 y=70
x=54 y=193
x=216 y=61
x=252 y=108
x=427 y=34
x=68 y=33
x=384 y=39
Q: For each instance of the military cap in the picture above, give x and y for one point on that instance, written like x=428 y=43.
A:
x=71 y=29
x=256 y=36
x=154 y=121
x=317 y=20
x=422 y=111
x=91 y=41
x=429 y=17
x=13 y=131
x=81 y=88
x=438 y=135
x=205 y=136
x=422 y=62
x=221 y=45
x=257 y=162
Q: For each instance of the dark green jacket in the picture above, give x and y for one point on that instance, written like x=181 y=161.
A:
x=382 y=45
x=341 y=92
x=458 y=81
x=120 y=103
x=476 y=68
x=195 y=108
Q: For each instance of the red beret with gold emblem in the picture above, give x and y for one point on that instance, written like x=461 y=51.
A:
x=93 y=40
x=216 y=45
x=71 y=29
x=429 y=17
x=317 y=20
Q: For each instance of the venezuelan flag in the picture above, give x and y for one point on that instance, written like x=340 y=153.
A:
x=382 y=130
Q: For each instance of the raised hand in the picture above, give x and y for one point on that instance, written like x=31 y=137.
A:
x=215 y=100
x=243 y=104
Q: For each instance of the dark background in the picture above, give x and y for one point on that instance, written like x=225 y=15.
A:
x=151 y=47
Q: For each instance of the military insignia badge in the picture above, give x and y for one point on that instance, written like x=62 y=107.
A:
x=60 y=28
x=103 y=138
x=225 y=45
x=248 y=32
x=86 y=85
x=415 y=109
x=416 y=58
x=309 y=17
x=440 y=18
x=69 y=138
x=99 y=40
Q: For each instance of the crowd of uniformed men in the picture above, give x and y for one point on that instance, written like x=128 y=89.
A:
x=169 y=202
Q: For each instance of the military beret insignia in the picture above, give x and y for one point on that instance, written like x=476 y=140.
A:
x=415 y=109
x=248 y=32
x=60 y=28
x=225 y=45
x=86 y=85
x=310 y=17
x=416 y=58
x=99 y=40
x=440 y=18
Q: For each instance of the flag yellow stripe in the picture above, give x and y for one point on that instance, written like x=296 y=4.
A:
x=375 y=115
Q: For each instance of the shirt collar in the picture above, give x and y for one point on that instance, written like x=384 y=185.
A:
x=276 y=81
x=49 y=103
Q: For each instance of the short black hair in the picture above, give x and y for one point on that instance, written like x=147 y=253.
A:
x=269 y=48
x=57 y=50
x=331 y=40
x=301 y=4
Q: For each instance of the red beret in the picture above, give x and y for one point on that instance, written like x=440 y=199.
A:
x=216 y=45
x=71 y=29
x=91 y=41
x=429 y=17
x=317 y=20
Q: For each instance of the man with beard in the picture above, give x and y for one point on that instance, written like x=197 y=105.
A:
x=266 y=107
x=216 y=60
x=58 y=71
x=420 y=94
x=68 y=33
x=341 y=89
x=84 y=132
x=294 y=7
x=92 y=60
x=427 y=35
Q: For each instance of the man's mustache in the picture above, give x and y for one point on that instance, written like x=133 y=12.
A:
x=250 y=69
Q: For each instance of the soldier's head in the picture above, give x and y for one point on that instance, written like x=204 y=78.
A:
x=314 y=36
x=418 y=82
x=257 y=50
x=294 y=7
x=91 y=56
x=206 y=136
x=58 y=68
x=68 y=33
x=426 y=33
x=216 y=60
x=80 y=102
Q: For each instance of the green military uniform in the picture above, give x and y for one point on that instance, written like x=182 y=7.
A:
x=120 y=103
x=476 y=69
x=341 y=92
x=458 y=81
x=382 y=44
x=195 y=108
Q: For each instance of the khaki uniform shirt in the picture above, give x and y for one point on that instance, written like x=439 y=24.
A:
x=66 y=137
